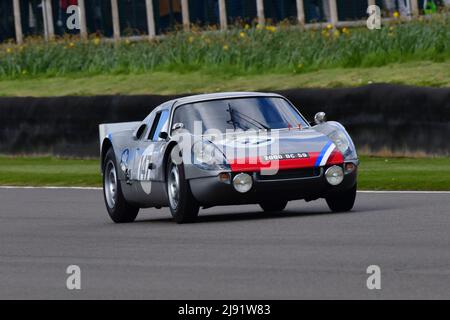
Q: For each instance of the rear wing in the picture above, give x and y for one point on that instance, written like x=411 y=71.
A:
x=107 y=129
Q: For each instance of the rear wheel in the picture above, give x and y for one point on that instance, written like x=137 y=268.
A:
x=118 y=208
x=342 y=201
x=273 y=206
x=183 y=206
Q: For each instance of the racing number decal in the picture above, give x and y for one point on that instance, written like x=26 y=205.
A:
x=144 y=171
x=145 y=160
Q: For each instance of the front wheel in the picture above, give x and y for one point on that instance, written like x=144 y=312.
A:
x=273 y=206
x=342 y=201
x=118 y=208
x=183 y=206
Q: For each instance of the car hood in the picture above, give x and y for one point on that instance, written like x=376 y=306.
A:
x=284 y=149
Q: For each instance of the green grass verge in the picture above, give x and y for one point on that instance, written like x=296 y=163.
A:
x=49 y=171
x=376 y=173
x=431 y=74
x=239 y=51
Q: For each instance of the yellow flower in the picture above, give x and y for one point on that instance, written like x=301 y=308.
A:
x=225 y=47
x=325 y=33
x=242 y=34
x=127 y=41
x=396 y=14
x=336 y=33
x=71 y=45
x=194 y=28
x=329 y=26
x=247 y=26
x=8 y=50
x=345 y=31
x=271 y=28
x=97 y=41
x=191 y=39
x=258 y=26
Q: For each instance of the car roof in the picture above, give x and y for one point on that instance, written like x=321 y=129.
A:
x=221 y=95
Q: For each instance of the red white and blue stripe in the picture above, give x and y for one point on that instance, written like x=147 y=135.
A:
x=325 y=154
x=329 y=155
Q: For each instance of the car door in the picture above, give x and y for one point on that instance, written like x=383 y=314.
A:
x=136 y=150
x=147 y=167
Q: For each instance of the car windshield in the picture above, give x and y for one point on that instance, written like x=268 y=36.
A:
x=256 y=113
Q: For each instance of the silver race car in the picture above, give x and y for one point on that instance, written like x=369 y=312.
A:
x=225 y=149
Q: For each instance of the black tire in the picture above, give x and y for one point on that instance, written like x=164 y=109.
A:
x=119 y=210
x=342 y=201
x=273 y=206
x=184 y=207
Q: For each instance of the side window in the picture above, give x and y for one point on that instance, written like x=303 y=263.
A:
x=159 y=123
x=140 y=131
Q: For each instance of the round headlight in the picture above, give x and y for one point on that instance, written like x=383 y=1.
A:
x=208 y=157
x=243 y=182
x=203 y=152
x=340 y=140
x=334 y=175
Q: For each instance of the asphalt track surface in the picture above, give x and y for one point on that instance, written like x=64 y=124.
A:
x=231 y=253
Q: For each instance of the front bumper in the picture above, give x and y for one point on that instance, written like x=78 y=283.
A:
x=210 y=191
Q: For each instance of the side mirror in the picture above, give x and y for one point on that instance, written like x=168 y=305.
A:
x=177 y=126
x=163 y=135
x=320 y=117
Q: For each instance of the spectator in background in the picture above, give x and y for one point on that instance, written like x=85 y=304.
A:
x=429 y=7
x=401 y=6
x=170 y=13
x=317 y=10
x=63 y=16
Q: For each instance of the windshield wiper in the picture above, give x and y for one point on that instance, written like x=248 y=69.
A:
x=245 y=117
x=232 y=120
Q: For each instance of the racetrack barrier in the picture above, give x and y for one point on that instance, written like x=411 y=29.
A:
x=378 y=117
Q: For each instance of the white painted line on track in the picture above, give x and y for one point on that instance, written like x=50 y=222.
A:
x=50 y=188
x=95 y=188
x=406 y=191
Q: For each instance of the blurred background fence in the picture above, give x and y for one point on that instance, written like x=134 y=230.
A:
x=122 y=18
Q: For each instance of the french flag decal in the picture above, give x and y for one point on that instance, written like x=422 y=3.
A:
x=325 y=154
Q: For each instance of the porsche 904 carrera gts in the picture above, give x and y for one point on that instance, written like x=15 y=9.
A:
x=225 y=149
